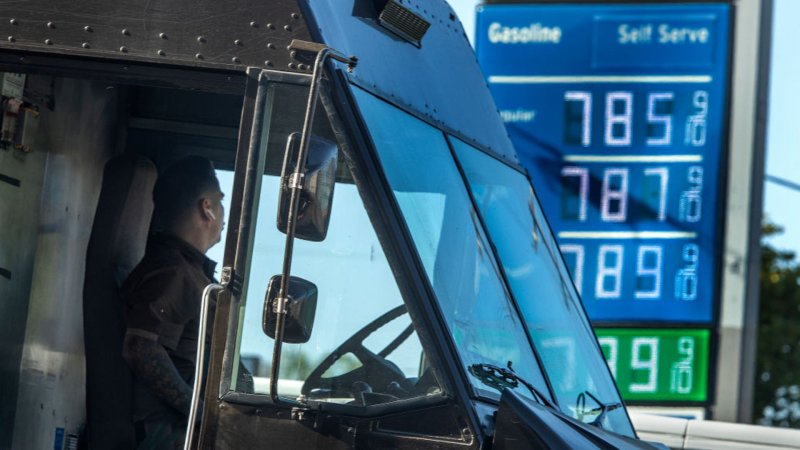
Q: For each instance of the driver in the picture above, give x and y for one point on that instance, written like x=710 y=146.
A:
x=162 y=298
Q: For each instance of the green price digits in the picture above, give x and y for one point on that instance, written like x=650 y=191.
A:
x=658 y=365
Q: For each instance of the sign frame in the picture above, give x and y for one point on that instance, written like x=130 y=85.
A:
x=723 y=192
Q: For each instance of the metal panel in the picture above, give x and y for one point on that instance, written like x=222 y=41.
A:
x=76 y=138
x=440 y=82
x=205 y=33
x=18 y=236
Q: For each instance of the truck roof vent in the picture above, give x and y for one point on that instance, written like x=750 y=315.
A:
x=404 y=22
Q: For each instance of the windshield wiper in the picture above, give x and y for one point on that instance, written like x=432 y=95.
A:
x=580 y=406
x=502 y=378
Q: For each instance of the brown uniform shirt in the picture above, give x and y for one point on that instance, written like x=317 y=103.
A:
x=162 y=296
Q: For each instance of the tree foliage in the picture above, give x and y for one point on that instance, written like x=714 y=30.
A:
x=777 y=390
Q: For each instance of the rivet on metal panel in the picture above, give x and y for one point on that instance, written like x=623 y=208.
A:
x=287 y=27
x=51 y=25
x=11 y=39
x=293 y=54
x=238 y=42
x=87 y=29
x=292 y=66
x=268 y=63
x=270 y=26
x=123 y=49
x=161 y=53
x=254 y=24
x=14 y=22
x=236 y=60
x=85 y=45
x=48 y=41
x=162 y=35
x=198 y=56
x=295 y=16
x=201 y=39
x=270 y=46
x=126 y=32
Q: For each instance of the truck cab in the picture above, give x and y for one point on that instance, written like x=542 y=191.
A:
x=388 y=278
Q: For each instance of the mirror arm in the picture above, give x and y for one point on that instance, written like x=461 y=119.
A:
x=295 y=185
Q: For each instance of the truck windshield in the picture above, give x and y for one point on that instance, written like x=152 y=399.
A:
x=455 y=252
x=538 y=279
x=472 y=286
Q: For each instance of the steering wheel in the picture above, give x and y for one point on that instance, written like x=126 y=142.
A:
x=375 y=369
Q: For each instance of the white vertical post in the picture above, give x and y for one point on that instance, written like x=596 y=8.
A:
x=738 y=315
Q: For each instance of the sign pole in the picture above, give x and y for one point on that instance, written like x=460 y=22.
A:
x=738 y=316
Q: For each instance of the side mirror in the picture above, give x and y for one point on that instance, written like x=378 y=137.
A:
x=300 y=309
x=316 y=197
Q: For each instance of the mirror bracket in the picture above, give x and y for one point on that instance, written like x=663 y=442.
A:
x=296 y=180
x=279 y=305
x=231 y=280
x=323 y=53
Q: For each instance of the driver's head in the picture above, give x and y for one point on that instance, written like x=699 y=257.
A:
x=188 y=202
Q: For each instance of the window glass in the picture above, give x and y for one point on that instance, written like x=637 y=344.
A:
x=363 y=349
x=539 y=282
x=216 y=252
x=451 y=244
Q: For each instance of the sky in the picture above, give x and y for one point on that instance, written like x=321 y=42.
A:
x=783 y=126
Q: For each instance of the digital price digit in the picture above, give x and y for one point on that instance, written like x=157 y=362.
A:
x=576 y=251
x=681 y=374
x=565 y=348
x=648 y=268
x=619 y=116
x=690 y=208
x=686 y=277
x=696 y=127
x=661 y=175
x=608 y=283
x=614 y=201
x=578 y=118
x=657 y=119
x=644 y=358
x=610 y=347
x=582 y=176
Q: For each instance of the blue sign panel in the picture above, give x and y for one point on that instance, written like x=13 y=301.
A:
x=618 y=112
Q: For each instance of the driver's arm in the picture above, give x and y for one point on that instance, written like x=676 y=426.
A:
x=158 y=310
x=152 y=365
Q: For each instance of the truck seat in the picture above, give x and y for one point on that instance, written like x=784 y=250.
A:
x=116 y=245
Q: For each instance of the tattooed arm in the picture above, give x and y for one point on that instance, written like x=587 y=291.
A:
x=152 y=365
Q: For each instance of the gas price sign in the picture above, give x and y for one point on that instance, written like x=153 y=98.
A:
x=658 y=364
x=618 y=112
